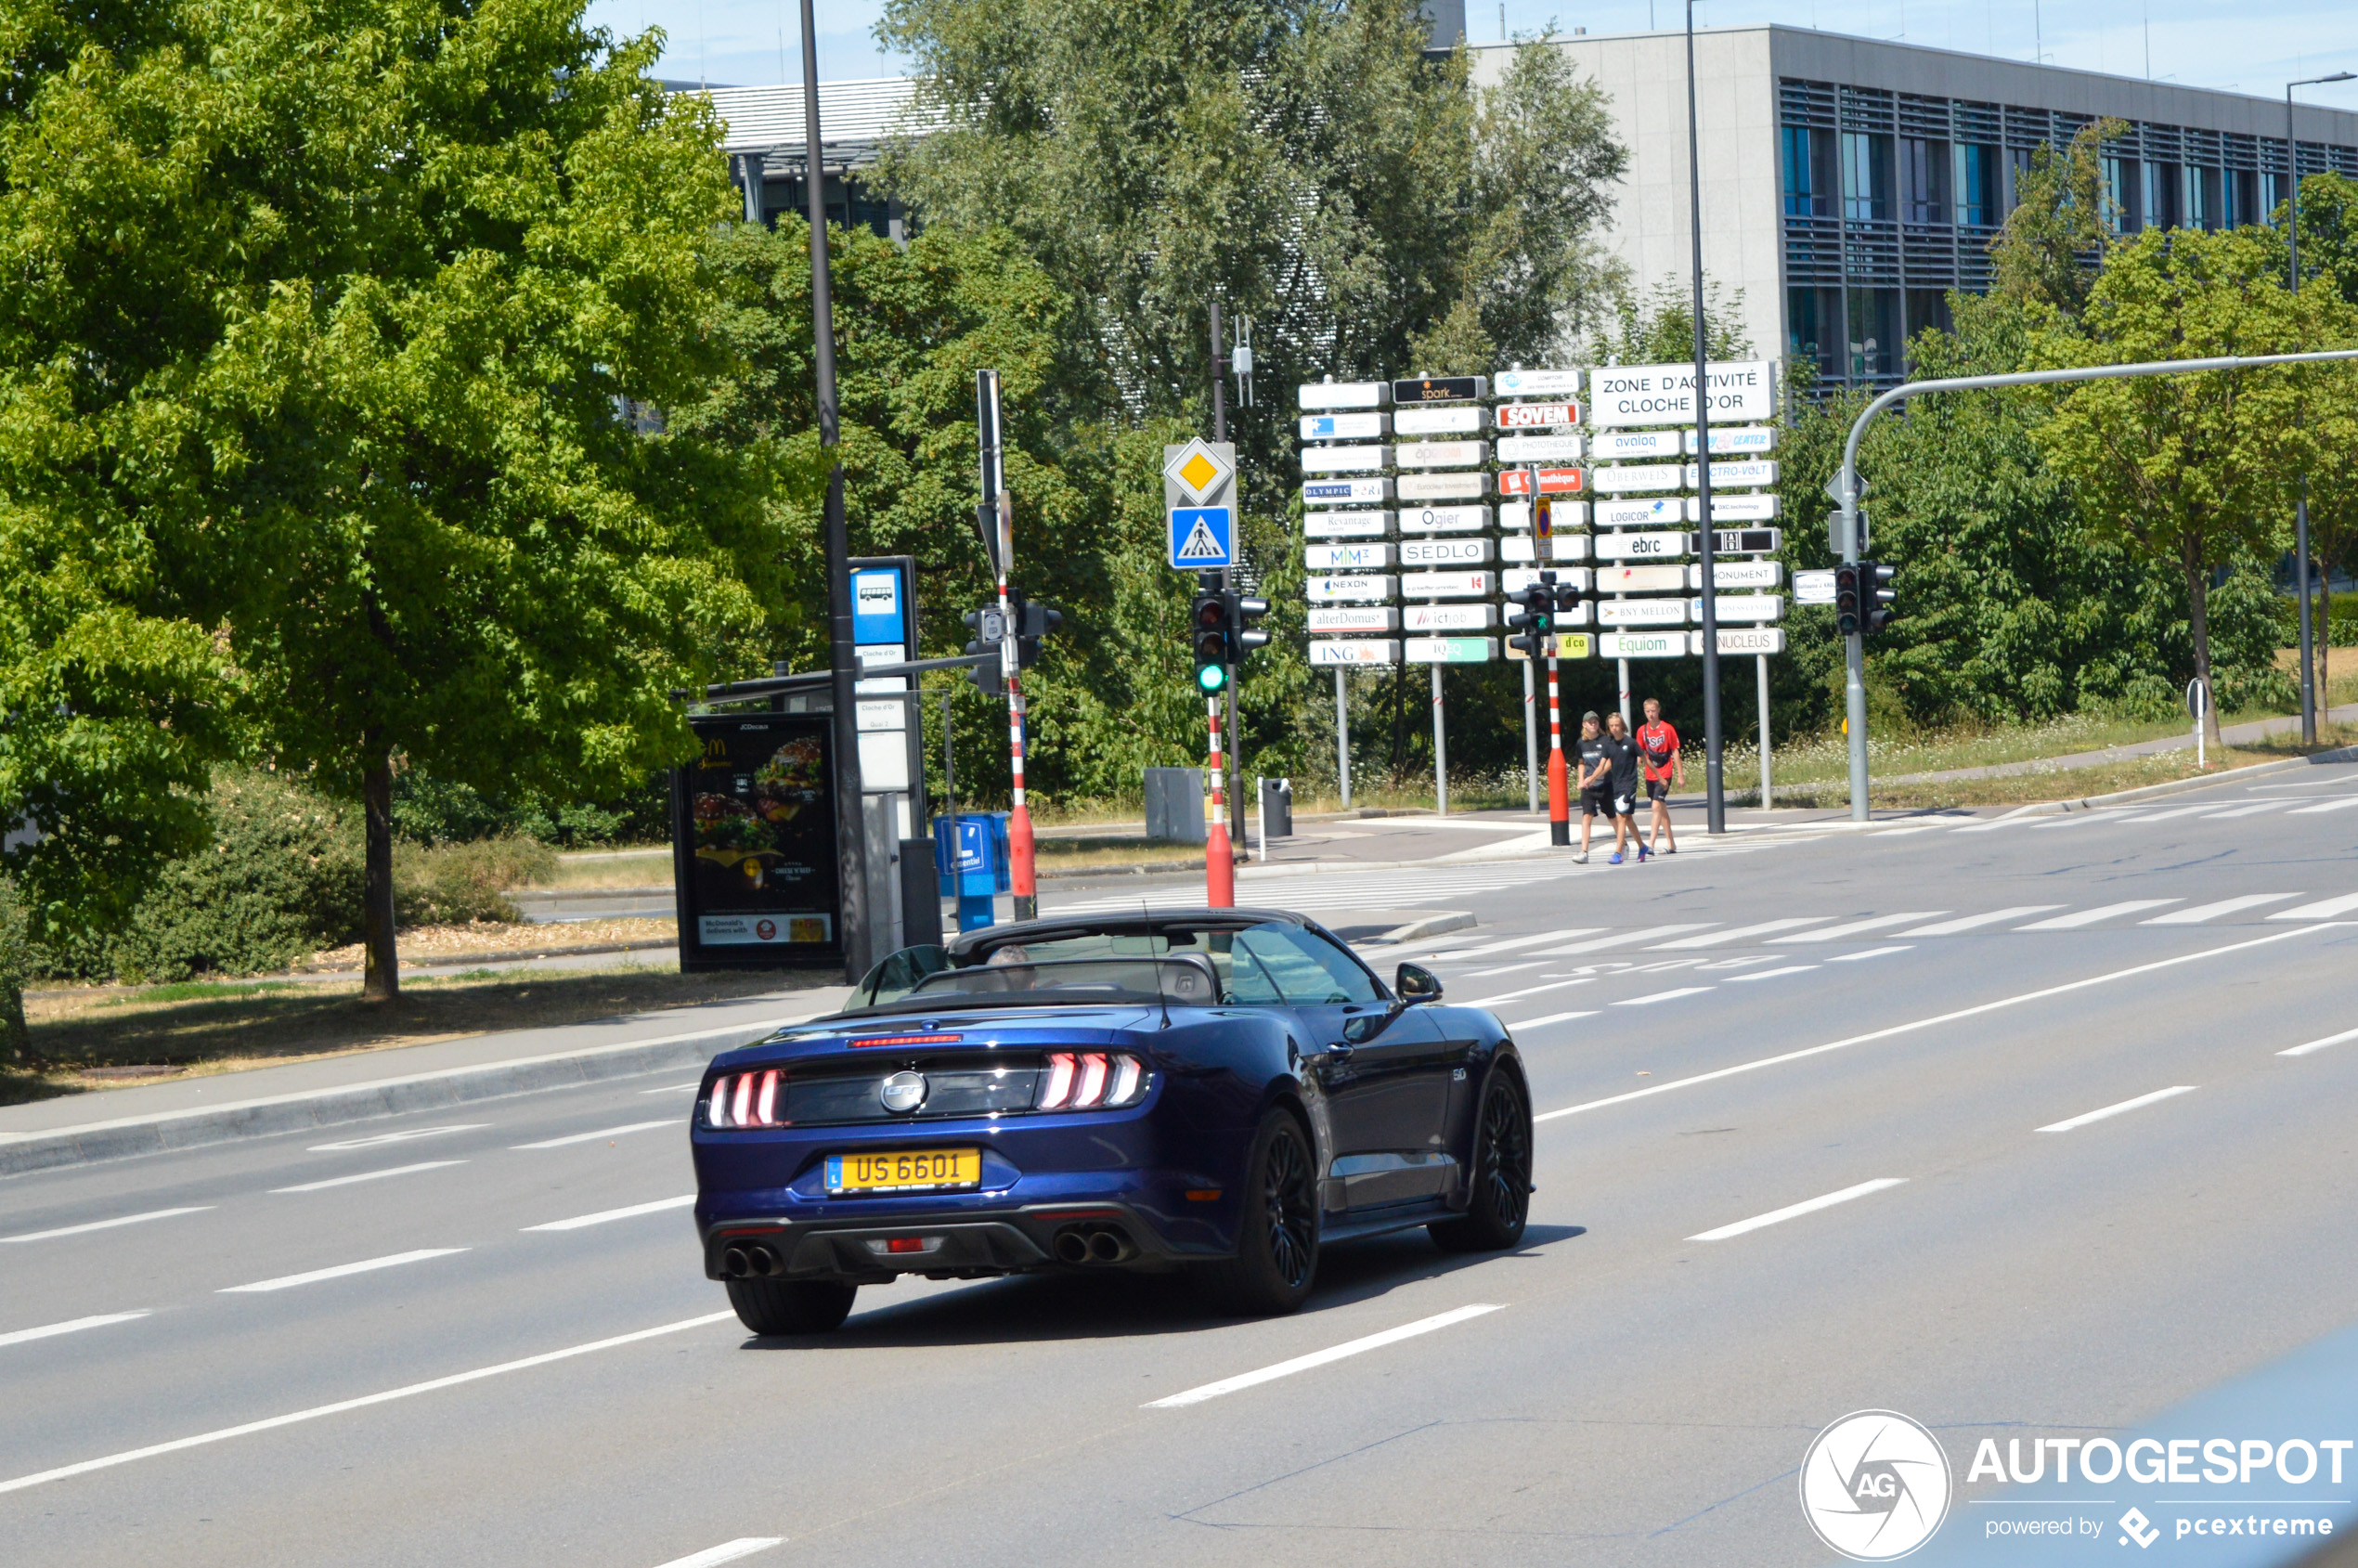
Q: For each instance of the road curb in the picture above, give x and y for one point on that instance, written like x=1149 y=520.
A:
x=308 y=1110
x=2180 y=786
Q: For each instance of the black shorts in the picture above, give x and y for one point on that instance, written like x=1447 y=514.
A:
x=1657 y=789
x=1595 y=803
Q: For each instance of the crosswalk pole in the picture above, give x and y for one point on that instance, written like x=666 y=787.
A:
x=1219 y=859
x=1559 y=786
x=1342 y=739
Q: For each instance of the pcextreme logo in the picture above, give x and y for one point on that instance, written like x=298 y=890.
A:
x=1874 y=1486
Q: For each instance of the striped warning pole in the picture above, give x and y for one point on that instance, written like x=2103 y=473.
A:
x=1219 y=860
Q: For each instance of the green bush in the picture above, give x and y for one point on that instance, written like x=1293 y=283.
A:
x=430 y=811
x=280 y=881
x=440 y=884
x=16 y=963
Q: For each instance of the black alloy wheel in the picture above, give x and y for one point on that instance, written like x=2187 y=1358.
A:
x=1493 y=1220
x=791 y=1307
x=1277 y=1258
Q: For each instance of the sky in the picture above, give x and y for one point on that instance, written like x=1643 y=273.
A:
x=2253 y=46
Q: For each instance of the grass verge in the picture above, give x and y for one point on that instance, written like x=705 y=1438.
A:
x=104 y=1037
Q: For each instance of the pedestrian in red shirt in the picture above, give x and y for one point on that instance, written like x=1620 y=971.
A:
x=1658 y=754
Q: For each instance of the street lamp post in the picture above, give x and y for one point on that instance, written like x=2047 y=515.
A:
x=1715 y=797
x=2300 y=508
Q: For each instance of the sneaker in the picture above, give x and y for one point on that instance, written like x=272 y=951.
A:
x=1672 y=850
x=1580 y=859
x=1642 y=853
x=1616 y=859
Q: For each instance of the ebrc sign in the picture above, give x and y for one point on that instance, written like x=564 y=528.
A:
x=1739 y=391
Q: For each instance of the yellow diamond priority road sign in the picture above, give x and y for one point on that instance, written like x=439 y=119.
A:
x=1200 y=471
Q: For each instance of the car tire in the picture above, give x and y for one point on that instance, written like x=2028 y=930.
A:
x=791 y=1307
x=1276 y=1258
x=1493 y=1220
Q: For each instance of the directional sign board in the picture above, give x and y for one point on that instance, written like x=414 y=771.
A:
x=1343 y=395
x=1355 y=427
x=1742 y=639
x=1739 y=541
x=1346 y=492
x=1440 y=551
x=1552 y=481
x=1441 y=389
x=1203 y=537
x=1352 y=618
x=1360 y=651
x=1567 y=645
x=1346 y=524
x=1431 y=618
x=1451 y=650
x=1538 y=383
x=1642 y=644
x=1445 y=420
x=1739 y=393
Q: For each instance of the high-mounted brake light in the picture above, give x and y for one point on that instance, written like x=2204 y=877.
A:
x=746 y=1099
x=868 y=1041
x=1089 y=1081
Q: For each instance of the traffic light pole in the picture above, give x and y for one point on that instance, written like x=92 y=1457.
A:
x=1219 y=856
x=1559 y=786
x=1021 y=881
x=1715 y=796
x=1846 y=488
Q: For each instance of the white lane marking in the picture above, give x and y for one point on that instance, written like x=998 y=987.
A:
x=371 y=1175
x=63 y=1472
x=1663 y=997
x=1991 y=827
x=675 y=1088
x=1795 y=1210
x=727 y=1551
x=1501 y=969
x=1715 y=937
x=366 y=1265
x=104 y=1225
x=2325 y=806
x=2324 y=909
x=2321 y=1045
x=2201 y=912
x=1772 y=973
x=1514 y=942
x=2251 y=810
x=2182 y=812
x=603 y=1132
x=1625 y=938
x=1551 y=1019
x=2090 y=916
x=76 y=1326
x=1870 y=953
x=1950 y=927
x=1915 y=1024
x=2081 y=1120
x=1837 y=933
x=657 y=1207
x=383 y=1139
x=1321 y=1357
x=1527 y=991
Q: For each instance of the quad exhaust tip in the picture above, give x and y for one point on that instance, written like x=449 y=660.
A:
x=748 y=1262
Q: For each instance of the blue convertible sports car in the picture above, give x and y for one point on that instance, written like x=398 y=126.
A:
x=1217 y=1091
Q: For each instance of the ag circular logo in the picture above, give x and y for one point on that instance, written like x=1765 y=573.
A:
x=1874 y=1486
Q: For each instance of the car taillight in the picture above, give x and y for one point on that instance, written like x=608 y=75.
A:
x=1089 y=1081
x=746 y=1099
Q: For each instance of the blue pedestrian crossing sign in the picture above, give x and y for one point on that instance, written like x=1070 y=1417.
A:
x=1203 y=537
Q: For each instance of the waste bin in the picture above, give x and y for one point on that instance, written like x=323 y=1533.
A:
x=1277 y=809
x=970 y=855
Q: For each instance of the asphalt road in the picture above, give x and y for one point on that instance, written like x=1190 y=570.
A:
x=535 y=1370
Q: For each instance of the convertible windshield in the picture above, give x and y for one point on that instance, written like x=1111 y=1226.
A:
x=1183 y=961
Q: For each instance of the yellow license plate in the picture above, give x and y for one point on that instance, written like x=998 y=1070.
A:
x=904 y=1170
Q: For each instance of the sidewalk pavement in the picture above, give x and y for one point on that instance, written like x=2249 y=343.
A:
x=111 y=1124
x=2233 y=735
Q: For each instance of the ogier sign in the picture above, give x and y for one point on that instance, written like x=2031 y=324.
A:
x=1741 y=392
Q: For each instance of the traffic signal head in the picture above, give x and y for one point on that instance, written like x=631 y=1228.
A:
x=1242 y=637
x=1874 y=599
x=988 y=627
x=1033 y=621
x=1207 y=630
x=1533 y=618
x=1848 y=620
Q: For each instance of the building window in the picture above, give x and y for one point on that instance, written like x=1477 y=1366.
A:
x=1866 y=177
x=1976 y=183
x=2119 y=195
x=1875 y=332
x=1923 y=180
x=2158 y=205
x=1928 y=307
x=2273 y=187
x=1809 y=315
x=2201 y=204
x=1808 y=159
x=2238 y=198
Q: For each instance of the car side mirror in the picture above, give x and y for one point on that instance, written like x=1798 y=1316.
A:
x=1415 y=983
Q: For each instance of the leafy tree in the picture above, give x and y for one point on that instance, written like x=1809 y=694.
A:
x=1657 y=326
x=2190 y=471
x=2329 y=257
x=2064 y=218
x=328 y=312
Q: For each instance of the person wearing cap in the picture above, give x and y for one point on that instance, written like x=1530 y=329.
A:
x=1595 y=783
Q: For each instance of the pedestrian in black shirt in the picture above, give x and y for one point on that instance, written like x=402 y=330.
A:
x=1622 y=786
x=1595 y=783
